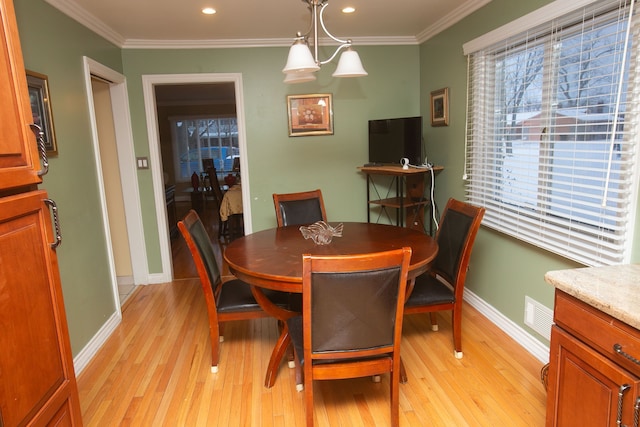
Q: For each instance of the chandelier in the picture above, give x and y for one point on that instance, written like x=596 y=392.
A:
x=301 y=63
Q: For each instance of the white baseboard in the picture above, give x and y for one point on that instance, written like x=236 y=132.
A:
x=125 y=280
x=521 y=336
x=156 y=278
x=83 y=358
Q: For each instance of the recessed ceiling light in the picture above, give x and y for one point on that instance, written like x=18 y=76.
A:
x=208 y=11
x=348 y=9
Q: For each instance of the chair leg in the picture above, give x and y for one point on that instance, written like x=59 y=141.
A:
x=299 y=377
x=308 y=397
x=215 y=337
x=434 y=321
x=456 y=318
x=403 y=373
x=394 y=398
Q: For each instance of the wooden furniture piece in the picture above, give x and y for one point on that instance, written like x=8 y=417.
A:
x=301 y=208
x=231 y=212
x=226 y=300
x=594 y=361
x=272 y=259
x=170 y=201
x=410 y=197
x=427 y=294
x=38 y=385
x=351 y=322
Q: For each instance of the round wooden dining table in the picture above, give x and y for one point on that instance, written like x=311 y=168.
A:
x=272 y=259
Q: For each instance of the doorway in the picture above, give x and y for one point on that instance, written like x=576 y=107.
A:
x=120 y=203
x=156 y=152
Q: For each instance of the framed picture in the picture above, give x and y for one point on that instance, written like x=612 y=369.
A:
x=440 y=107
x=38 y=85
x=310 y=114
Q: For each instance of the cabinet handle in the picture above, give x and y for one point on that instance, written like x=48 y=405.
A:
x=42 y=149
x=56 y=222
x=636 y=413
x=618 y=349
x=621 y=391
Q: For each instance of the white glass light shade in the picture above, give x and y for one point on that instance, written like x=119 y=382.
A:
x=291 y=78
x=349 y=65
x=300 y=59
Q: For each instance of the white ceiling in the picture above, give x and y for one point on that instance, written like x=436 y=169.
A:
x=179 y=23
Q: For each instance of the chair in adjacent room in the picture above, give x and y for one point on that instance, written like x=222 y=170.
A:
x=216 y=191
x=442 y=287
x=226 y=300
x=301 y=208
x=351 y=322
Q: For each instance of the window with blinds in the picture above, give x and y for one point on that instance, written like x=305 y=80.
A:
x=552 y=129
x=196 y=139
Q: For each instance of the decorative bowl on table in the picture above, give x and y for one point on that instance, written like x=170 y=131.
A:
x=320 y=232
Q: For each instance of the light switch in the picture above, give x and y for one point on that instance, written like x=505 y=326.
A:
x=143 y=162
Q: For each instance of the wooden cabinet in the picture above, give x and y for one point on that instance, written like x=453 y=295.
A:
x=593 y=377
x=37 y=380
x=19 y=162
x=409 y=195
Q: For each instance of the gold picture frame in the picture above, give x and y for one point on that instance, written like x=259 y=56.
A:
x=310 y=114
x=440 y=107
x=38 y=85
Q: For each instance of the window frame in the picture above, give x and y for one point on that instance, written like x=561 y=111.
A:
x=525 y=222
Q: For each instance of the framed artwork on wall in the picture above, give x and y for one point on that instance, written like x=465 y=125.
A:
x=440 y=107
x=40 y=100
x=310 y=114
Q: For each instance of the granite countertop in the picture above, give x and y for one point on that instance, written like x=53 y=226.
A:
x=614 y=290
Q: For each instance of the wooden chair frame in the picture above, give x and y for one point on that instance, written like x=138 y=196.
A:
x=278 y=199
x=359 y=362
x=212 y=288
x=456 y=279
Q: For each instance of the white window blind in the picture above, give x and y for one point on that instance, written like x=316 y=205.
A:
x=552 y=133
x=195 y=139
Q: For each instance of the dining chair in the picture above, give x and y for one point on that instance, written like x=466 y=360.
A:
x=442 y=287
x=226 y=300
x=300 y=208
x=351 y=322
x=223 y=226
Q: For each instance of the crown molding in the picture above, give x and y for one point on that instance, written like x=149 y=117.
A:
x=75 y=11
x=239 y=43
x=79 y=14
x=451 y=18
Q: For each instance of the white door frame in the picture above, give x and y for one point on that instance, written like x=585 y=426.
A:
x=155 y=159
x=126 y=162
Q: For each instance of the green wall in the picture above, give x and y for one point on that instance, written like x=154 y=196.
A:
x=503 y=270
x=54 y=44
x=277 y=162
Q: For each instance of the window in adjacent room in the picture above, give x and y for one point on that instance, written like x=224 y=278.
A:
x=195 y=139
x=552 y=129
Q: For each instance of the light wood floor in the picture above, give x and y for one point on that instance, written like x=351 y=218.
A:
x=154 y=371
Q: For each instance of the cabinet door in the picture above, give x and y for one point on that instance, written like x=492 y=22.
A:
x=19 y=162
x=38 y=382
x=586 y=388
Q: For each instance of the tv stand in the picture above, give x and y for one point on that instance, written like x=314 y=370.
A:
x=409 y=205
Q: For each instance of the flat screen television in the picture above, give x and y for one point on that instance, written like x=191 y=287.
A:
x=392 y=139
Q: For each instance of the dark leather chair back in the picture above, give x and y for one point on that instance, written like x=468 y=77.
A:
x=353 y=311
x=452 y=237
x=299 y=208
